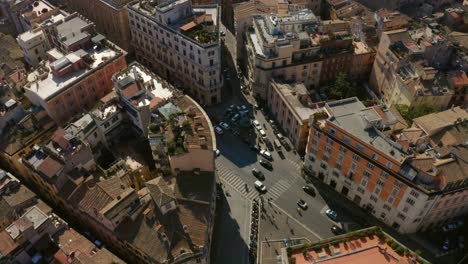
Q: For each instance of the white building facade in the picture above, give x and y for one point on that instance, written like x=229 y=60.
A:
x=181 y=43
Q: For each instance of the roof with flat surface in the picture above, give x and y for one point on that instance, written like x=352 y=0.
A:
x=18 y=196
x=351 y=115
x=46 y=88
x=432 y=122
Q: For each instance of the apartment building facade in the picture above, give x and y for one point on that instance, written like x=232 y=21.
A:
x=407 y=73
x=292 y=106
x=33 y=45
x=180 y=43
x=77 y=72
x=109 y=16
x=349 y=148
x=281 y=48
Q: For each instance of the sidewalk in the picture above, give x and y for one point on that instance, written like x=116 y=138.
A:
x=275 y=225
x=232 y=229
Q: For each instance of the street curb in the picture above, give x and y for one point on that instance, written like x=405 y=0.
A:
x=258 y=235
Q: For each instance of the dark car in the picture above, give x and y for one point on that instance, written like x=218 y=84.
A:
x=268 y=144
x=309 y=190
x=258 y=173
x=337 y=230
x=265 y=163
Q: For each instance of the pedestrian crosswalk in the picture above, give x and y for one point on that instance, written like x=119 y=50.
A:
x=297 y=165
x=278 y=189
x=233 y=180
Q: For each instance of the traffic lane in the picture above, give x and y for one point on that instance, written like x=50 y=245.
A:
x=271 y=136
x=233 y=149
x=314 y=217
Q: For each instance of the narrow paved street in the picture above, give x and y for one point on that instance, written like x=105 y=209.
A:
x=281 y=218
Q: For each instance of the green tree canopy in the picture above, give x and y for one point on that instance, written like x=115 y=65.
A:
x=343 y=87
x=410 y=113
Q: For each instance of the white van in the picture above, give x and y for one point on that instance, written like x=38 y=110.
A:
x=257 y=124
x=259 y=186
x=277 y=144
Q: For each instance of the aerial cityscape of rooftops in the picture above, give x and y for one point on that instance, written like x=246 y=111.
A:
x=234 y=132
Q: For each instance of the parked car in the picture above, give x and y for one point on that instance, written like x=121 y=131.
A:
x=262 y=133
x=302 y=204
x=268 y=144
x=224 y=125
x=222 y=33
x=257 y=124
x=309 y=189
x=266 y=154
x=218 y=130
x=277 y=144
x=279 y=136
x=217 y=152
x=337 y=230
x=258 y=173
x=259 y=186
x=331 y=214
x=266 y=164
x=255 y=148
x=243 y=107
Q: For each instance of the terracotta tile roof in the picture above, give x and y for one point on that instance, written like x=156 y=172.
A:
x=155 y=102
x=18 y=196
x=17 y=76
x=204 y=18
x=99 y=195
x=423 y=162
x=188 y=26
x=160 y=191
x=432 y=122
x=108 y=97
x=412 y=134
x=7 y=244
x=458 y=78
x=130 y=90
x=50 y=167
x=59 y=138
x=365 y=250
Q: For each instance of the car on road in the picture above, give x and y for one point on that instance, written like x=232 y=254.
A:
x=217 y=152
x=258 y=173
x=309 y=189
x=302 y=204
x=235 y=117
x=257 y=124
x=266 y=164
x=266 y=154
x=218 y=130
x=259 y=186
x=224 y=125
x=262 y=133
x=337 y=230
x=331 y=214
